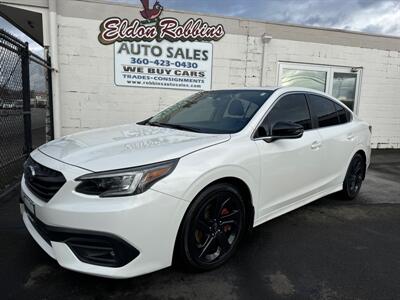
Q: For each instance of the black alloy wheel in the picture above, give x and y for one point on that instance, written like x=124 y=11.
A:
x=354 y=177
x=212 y=227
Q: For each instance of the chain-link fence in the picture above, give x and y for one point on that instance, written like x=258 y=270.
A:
x=24 y=111
x=39 y=102
x=12 y=141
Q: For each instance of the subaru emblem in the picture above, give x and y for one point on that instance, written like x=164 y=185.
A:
x=32 y=169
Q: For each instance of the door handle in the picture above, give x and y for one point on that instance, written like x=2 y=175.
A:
x=316 y=145
x=350 y=137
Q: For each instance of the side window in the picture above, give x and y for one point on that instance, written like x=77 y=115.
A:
x=349 y=116
x=325 y=111
x=290 y=108
x=344 y=114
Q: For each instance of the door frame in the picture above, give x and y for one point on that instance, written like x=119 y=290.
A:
x=349 y=70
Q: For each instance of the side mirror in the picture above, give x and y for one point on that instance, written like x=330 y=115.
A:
x=284 y=130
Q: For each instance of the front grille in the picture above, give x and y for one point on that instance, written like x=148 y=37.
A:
x=42 y=181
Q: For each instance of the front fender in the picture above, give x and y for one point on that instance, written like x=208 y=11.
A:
x=196 y=171
x=219 y=173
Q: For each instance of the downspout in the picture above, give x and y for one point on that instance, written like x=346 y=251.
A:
x=265 y=40
x=55 y=76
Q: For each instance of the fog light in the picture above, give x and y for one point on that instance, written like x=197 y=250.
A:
x=101 y=251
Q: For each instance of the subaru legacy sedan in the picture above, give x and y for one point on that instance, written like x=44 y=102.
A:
x=188 y=183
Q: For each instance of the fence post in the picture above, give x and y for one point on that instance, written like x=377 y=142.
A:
x=26 y=98
x=50 y=94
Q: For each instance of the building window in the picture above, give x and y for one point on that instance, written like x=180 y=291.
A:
x=340 y=82
x=305 y=78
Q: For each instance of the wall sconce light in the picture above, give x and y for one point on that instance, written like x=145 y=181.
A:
x=266 y=38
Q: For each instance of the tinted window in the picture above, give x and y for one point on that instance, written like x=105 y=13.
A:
x=349 y=116
x=292 y=108
x=344 y=114
x=325 y=111
x=225 y=111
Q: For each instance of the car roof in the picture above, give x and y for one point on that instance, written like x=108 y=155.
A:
x=282 y=89
x=271 y=88
x=263 y=88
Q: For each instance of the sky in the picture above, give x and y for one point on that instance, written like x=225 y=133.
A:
x=33 y=46
x=370 y=16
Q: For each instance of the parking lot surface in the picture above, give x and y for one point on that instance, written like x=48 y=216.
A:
x=330 y=249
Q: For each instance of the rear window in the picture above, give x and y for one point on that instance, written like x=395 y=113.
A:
x=325 y=111
x=343 y=114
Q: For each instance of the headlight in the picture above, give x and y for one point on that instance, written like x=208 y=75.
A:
x=124 y=182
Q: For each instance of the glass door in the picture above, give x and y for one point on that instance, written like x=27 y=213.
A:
x=344 y=86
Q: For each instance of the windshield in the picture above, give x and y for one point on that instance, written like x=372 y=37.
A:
x=226 y=111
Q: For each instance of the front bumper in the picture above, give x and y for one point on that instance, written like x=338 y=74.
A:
x=96 y=248
x=139 y=232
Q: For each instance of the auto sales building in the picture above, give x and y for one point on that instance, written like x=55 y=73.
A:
x=98 y=85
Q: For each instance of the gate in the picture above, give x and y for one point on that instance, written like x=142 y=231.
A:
x=25 y=106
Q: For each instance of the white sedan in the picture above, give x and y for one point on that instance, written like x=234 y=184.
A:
x=189 y=182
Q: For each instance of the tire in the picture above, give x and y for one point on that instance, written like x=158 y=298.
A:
x=354 y=177
x=212 y=228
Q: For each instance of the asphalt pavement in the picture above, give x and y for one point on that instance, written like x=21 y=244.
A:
x=330 y=249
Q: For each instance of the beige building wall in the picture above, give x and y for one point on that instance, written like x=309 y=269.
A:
x=89 y=98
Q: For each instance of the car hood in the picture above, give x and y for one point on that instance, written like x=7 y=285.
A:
x=127 y=146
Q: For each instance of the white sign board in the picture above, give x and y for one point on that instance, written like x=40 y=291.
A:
x=173 y=65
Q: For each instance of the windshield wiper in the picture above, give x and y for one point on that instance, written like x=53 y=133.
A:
x=174 y=126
